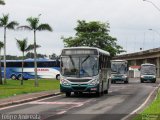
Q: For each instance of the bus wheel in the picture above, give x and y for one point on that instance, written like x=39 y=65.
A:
x=98 y=94
x=106 y=91
x=126 y=82
x=58 y=76
x=13 y=77
x=68 y=94
x=20 y=77
x=153 y=81
x=76 y=93
x=113 y=82
x=142 y=81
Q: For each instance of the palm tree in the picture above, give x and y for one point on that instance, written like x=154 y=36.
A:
x=34 y=25
x=23 y=47
x=2 y=2
x=1 y=46
x=4 y=22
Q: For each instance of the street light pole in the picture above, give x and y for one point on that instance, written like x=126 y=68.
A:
x=153 y=4
x=155 y=31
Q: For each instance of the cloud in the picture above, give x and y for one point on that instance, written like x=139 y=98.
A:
x=129 y=20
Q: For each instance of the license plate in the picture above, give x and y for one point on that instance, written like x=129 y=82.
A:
x=93 y=88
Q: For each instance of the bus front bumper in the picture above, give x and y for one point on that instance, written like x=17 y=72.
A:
x=148 y=79
x=79 y=88
x=119 y=79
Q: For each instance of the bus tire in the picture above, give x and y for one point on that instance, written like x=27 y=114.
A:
x=68 y=94
x=106 y=91
x=142 y=81
x=13 y=77
x=20 y=77
x=153 y=81
x=98 y=94
x=113 y=82
x=126 y=82
x=58 y=77
x=76 y=93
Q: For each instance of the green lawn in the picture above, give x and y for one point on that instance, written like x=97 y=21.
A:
x=13 y=87
x=152 y=112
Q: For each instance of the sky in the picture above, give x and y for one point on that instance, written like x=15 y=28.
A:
x=130 y=21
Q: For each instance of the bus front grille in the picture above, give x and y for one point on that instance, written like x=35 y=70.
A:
x=79 y=80
x=79 y=88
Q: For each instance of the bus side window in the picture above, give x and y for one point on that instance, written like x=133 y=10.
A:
x=28 y=64
x=14 y=64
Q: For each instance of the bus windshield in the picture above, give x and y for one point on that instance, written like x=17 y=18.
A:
x=79 y=66
x=119 y=67
x=148 y=70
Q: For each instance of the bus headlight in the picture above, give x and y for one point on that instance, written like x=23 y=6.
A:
x=94 y=82
x=64 y=82
x=142 y=76
x=154 y=76
x=125 y=76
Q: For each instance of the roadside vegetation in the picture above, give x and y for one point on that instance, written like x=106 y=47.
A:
x=13 y=88
x=152 y=112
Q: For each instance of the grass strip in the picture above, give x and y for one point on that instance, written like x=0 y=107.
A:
x=13 y=87
x=152 y=112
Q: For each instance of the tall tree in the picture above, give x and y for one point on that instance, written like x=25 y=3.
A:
x=1 y=46
x=35 y=26
x=23 y=47
x=6 y=24
x=93 y=34
x=2 y=2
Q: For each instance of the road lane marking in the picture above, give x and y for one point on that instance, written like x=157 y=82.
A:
x=56 y=103
x=142 y=105
x=8 y=107
x=82 y=103
x=61 y=112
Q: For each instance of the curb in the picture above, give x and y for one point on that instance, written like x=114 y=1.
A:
x=28 y=100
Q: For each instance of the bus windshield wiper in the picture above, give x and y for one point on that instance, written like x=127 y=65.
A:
x=85 y=59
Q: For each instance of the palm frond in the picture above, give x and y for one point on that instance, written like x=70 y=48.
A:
x=31 y=47
x=33 y=22
x=4 y=20
x=44 y=27
x=1 y=44
x=12 y=24
x=2 y=2
x=24 y=27
x=22 y=44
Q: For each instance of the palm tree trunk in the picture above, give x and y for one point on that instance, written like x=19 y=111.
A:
x=22 y=68
x=5 y=82
x=35 y=60
x=1 y=82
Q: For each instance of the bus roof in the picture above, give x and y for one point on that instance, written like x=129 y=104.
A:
x=99 y=50
x=119 y=61
x=29 y=60
x=148 y=64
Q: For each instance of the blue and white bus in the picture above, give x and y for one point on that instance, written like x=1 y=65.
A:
x=45 y=69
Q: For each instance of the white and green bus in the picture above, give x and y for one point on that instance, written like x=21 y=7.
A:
x=119 y=71
x=148 y=72
x=84 y=69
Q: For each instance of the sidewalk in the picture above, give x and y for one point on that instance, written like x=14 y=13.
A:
x=27 y=97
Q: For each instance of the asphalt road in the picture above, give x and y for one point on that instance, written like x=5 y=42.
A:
x=121 y=100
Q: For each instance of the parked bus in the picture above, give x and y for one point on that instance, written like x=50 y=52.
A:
x=45 y=69
x=119 y=71
x=148 y=72
x=84 y=69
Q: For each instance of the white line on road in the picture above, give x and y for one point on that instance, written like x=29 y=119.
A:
x=26 y=103
x=142 y=105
